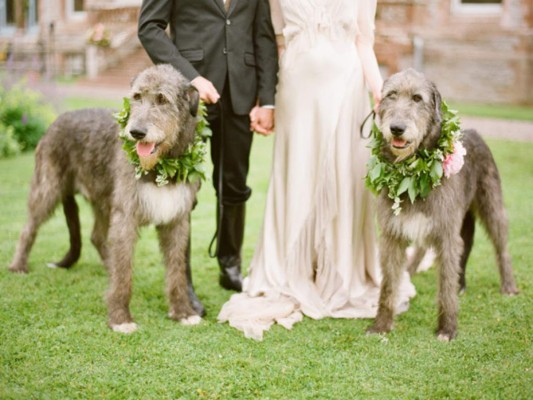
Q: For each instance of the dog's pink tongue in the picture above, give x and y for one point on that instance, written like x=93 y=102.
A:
x=397 y=142
x=145 y=149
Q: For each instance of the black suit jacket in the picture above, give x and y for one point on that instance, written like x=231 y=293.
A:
x=205 y=40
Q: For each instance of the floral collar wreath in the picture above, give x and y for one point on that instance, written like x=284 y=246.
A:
x=423 y=171
x=189 y=167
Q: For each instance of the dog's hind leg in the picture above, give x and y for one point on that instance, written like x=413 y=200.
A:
x=392 y=258
x=467 y=233
x=45 y=194
x=173 y=239
x=100 y=231
x=71 y=211
x=493 y=216
x=414 y=261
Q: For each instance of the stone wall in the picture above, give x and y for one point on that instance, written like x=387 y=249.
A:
x=481 y=57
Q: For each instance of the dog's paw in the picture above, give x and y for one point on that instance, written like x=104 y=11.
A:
x=128 y=327
x=52 y=265
x=446 y=336
x=377 y=330
x=509 y=290
x=17 y=269
x=443 y=337
x=191 y=320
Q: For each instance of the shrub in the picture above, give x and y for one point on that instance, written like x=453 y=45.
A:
x=26 y=112
x=8 y=144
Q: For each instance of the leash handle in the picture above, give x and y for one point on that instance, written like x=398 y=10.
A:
x=215 y=241
x=373 y=115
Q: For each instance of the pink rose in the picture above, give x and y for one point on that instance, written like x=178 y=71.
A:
x=454 y=162
x=99 y=31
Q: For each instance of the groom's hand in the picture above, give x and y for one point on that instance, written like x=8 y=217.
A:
x=208 y=92
x=262 y=120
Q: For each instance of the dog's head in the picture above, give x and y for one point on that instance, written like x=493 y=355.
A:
x=163 y=114
x=409 y=114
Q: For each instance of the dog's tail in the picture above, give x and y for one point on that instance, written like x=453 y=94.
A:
x=70 y=209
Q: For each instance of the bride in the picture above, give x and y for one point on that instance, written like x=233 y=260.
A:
x=317 y=253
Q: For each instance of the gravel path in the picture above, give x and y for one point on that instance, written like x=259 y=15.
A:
x=500 y=128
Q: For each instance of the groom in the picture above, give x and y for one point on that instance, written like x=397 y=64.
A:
x=227 y=49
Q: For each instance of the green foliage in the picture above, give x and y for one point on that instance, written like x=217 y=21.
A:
x=123 y=115
x=25 y=111
x=189 y=167
x=417 y=175
x=8 y=144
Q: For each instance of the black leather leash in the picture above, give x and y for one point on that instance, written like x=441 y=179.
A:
x=219 y=185
x=373 y=115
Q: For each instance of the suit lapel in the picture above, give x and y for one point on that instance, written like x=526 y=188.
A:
x=232 y=6
x=220 y=5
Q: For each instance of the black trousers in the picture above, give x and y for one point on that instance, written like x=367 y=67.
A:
x=231 y=144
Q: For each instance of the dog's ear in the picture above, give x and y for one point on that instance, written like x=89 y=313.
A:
x=193 y=97
x=437 y=100
x=132 y=80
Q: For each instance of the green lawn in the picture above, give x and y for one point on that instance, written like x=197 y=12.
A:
x=54 y=342
x=524 y=113
x=73 y=103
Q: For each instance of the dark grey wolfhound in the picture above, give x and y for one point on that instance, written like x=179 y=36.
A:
x=409 y=117
x=82 y=153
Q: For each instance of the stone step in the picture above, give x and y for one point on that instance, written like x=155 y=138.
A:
x=121 y=74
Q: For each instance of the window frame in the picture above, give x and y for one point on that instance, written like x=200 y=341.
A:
x=75 y=15
x=32 y=16
x=458 y=7
x=5 y=28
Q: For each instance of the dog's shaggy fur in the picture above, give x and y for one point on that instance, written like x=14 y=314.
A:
x=409 y=117
x=82 y=153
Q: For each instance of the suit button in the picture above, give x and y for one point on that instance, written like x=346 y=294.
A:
x=225 y=51
x=228 y=22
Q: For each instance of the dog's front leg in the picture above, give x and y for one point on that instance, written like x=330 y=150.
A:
x=122 y=238
x=393 y=259
x=173 y=239
x=449 y=254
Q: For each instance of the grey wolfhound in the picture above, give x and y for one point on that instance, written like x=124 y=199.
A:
x=409 y=117
x=82 y=153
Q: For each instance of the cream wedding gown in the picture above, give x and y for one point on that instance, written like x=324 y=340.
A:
x=317 y=253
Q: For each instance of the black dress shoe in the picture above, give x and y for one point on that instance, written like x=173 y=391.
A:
x=231 y=279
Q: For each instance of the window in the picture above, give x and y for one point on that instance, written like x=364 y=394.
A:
x=78 y=6
x=76 y=9
x=8 y=22
x=32 y=15
x=477 y=6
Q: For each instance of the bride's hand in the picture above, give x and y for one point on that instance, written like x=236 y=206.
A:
x=377 y=99
x=262 y=120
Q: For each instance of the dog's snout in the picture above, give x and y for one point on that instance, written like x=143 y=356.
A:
x=397 y=129
x=138 y=133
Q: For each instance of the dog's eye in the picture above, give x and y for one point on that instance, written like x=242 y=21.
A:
x=417 y=98
x=137 y=96
x=392 y=95
x=161 y=99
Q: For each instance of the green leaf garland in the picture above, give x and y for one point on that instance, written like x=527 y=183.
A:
x=189 y=167
x=418 y=174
